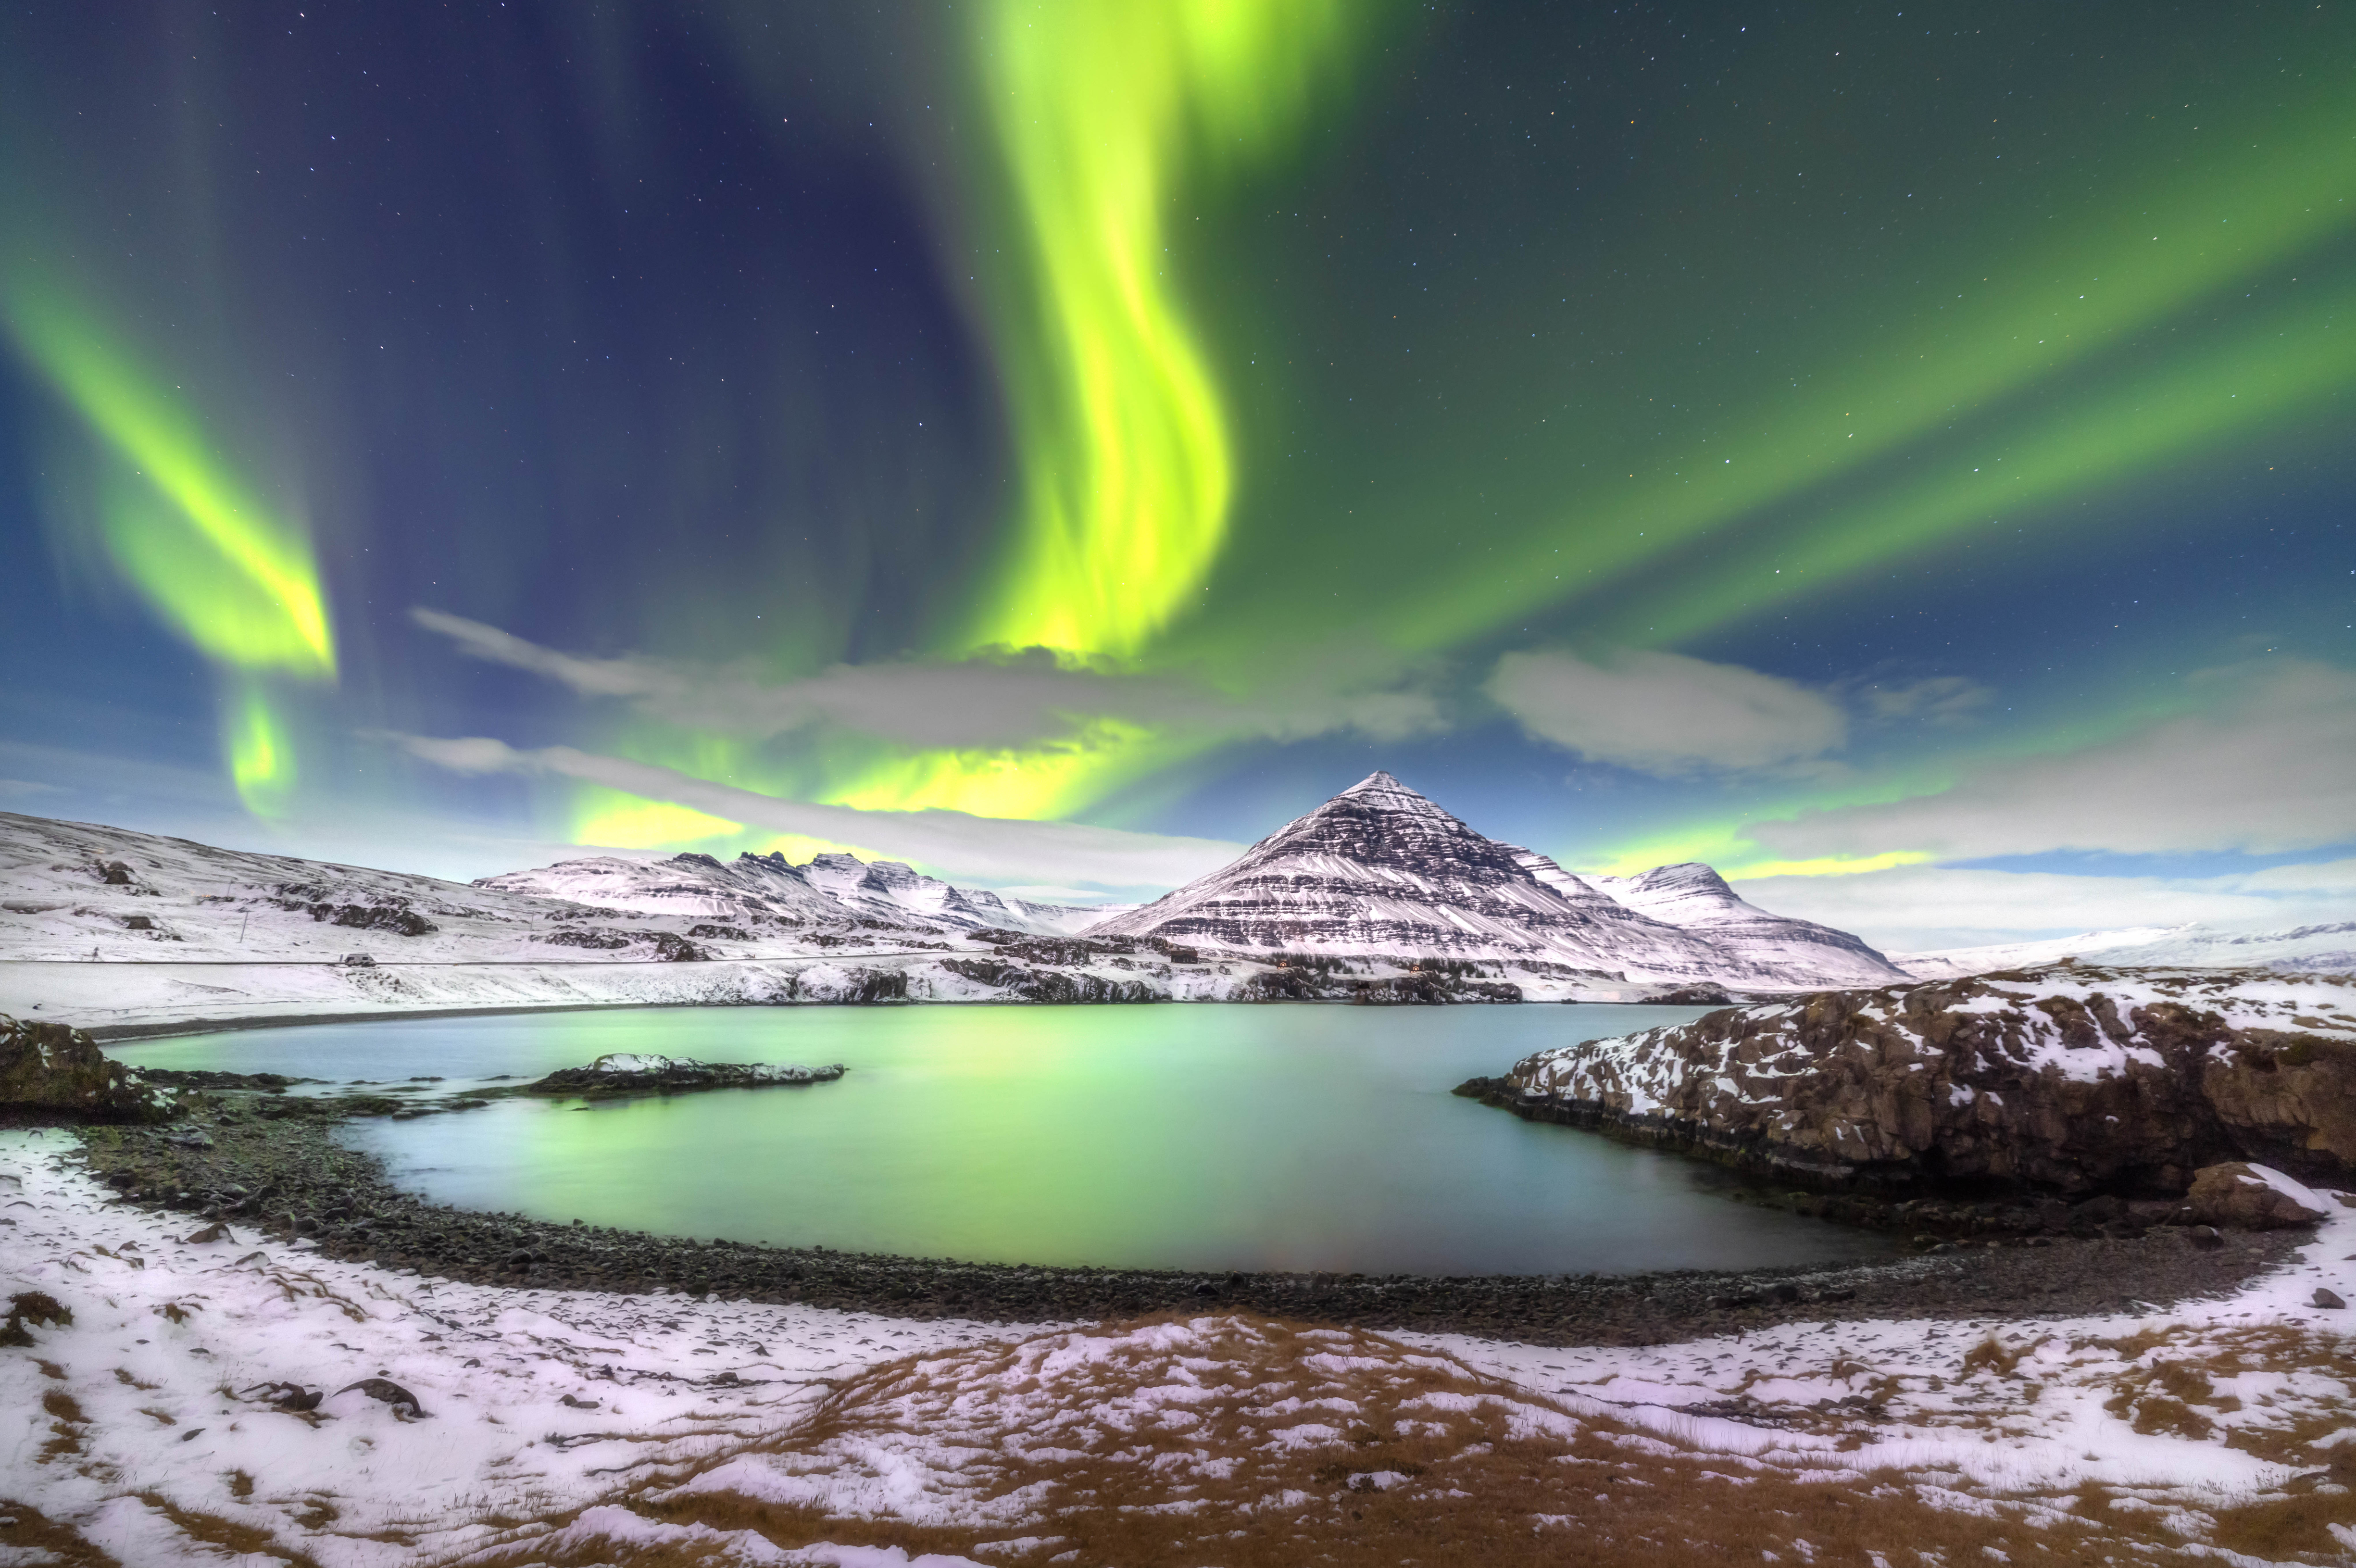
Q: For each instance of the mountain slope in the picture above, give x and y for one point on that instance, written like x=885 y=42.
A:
x=831 y=890
x=1693 y=897
x=2307 y=950
x=1379 y=869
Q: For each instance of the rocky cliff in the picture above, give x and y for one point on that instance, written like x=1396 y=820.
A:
x=2072 y=1080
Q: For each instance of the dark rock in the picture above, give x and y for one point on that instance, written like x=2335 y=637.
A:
x=291 y=1397
x=206 y=1078
x=394 y=916
x=2327 y=1298
x=49 y=1072
x=384 y=1389
x=2204 y=1237
x=213 y=1233
x=1700 y=996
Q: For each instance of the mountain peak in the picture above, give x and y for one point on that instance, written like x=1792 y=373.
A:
x=1380 y=869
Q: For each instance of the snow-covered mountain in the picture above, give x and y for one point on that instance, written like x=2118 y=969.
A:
x=2310 y=950
x=1380 y=870
x=831 y=890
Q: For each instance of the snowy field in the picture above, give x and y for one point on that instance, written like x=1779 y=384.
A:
x=578 y=1427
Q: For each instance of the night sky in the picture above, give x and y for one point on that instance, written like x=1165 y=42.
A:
x=1901 y=456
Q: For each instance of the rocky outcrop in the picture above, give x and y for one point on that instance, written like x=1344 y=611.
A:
x=1430 y=987
x=51 y=1072
x=621 y=1073
x=2071 y=1080
x=1017 y=984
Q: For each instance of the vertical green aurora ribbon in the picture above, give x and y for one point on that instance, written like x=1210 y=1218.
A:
x=228 y=571
x=1105 y=112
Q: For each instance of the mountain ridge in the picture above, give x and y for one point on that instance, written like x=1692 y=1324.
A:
x=1381 y=868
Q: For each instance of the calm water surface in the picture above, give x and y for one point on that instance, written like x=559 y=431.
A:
x=1199 y=1136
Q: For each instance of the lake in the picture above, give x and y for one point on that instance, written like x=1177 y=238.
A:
x=1196 y=1136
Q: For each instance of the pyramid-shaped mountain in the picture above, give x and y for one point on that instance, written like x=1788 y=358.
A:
x=1378 y=870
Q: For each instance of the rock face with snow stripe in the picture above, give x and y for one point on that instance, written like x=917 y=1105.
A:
x=1379 y=869
x=2073 y=1079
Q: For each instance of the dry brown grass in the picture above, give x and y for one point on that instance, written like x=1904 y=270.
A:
x=1078 y=1460
x=48 y=1542
x=227 y=1535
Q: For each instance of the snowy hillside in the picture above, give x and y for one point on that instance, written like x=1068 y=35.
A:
x=831 y=890
x=1380 y=869
x=2316 y=949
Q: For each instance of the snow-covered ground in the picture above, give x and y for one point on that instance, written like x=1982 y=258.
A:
x=2326 y=949
x=109 y=929
x=577 y=1427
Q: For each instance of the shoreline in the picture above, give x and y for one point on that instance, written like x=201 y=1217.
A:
x=272 y=1168
x=197 y=1387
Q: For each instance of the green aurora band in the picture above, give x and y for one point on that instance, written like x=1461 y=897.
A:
x=1104 y=110
x=229 y=572
x=2101 y=356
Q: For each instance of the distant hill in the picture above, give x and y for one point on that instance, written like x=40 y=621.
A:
x=2314 y=949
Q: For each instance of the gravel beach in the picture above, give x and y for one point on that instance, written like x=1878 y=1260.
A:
x=272 y=1165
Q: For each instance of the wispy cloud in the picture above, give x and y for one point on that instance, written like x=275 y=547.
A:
x=1919 y=906
x=1937 y=700
x=1008 y=700
x=983 y=848
x=1665 y=713
x=2266 y=765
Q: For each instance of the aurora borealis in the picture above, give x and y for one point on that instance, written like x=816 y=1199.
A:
x=1900 y=455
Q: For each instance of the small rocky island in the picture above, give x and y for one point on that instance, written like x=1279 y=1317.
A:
x=2070 y=1084
x=620 y=1073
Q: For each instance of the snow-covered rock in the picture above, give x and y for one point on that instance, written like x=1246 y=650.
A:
x=2253 y=1197
x=641 y=1072
x=1379 y=869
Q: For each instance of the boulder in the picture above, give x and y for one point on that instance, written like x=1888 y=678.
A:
x=48 y=1071
x=2252 y=1198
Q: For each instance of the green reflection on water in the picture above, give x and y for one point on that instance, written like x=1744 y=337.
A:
x=1192 y=1136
